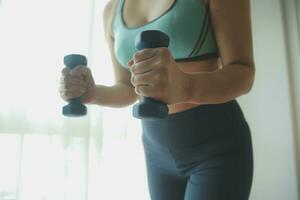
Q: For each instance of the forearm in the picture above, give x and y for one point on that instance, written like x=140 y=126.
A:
x=220 y=86
x=116 y=96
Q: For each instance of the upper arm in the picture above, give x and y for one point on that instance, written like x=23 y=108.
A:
x=121 y=75
x=231 y=20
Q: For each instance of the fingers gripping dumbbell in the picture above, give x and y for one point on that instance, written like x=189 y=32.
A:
x=150 y=108
x=75 y=108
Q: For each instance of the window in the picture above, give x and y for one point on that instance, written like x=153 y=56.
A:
x=45 y=156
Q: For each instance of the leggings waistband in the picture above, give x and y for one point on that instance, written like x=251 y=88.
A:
x=193 y=126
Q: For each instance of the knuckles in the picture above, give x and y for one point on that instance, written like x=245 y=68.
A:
x=65 y=71
x=157 y=76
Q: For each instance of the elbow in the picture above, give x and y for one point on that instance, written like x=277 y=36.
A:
x=249 y=81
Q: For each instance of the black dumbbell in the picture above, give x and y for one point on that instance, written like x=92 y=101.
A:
x=75 y=108
x=150 y=108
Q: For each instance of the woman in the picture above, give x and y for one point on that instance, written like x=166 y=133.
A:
x=203 y=149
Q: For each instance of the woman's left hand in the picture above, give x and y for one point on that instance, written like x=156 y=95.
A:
x=155 y=73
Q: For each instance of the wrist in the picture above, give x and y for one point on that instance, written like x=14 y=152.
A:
x=90 y=96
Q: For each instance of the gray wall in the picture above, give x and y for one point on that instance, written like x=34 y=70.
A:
x=272 y=107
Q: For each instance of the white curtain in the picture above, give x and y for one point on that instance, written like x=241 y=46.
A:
x=44 y=155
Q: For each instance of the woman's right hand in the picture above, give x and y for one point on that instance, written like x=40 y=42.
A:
x=78 y=82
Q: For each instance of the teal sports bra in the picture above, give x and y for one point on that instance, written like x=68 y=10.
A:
x=186 y=23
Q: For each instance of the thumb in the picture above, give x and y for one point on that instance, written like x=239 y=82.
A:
x=84 y=73
x=80 y=71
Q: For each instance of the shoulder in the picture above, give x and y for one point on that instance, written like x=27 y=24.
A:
x=107 y=15
x=108 y=8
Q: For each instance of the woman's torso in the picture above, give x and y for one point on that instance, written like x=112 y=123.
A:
x=137 y=13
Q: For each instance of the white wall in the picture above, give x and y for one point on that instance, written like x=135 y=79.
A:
x=270 y=109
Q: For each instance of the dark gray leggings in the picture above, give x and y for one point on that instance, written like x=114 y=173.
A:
x=204 y=153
